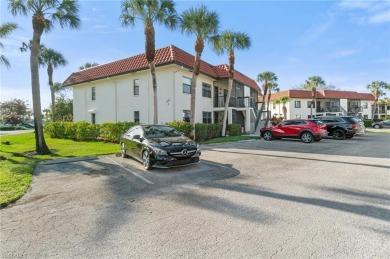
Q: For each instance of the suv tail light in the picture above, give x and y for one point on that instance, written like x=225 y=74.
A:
x=354 y=125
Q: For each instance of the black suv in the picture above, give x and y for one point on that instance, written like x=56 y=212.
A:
x=340 y=127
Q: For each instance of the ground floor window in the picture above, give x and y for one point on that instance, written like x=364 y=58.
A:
x=93 y=118
x=206 y=117
x=136 y=116
x=186 y=115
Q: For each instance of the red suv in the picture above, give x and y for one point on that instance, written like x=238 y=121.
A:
x=307 y=130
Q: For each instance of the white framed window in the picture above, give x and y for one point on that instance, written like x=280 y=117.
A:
x=93 y=118
x=136 y=116
x=206 y=90
x=309 y=103
x=206 y=116
x=186 y=115
x=186 y=85
x=93 y=93
x=136 y=87
x=297 y=104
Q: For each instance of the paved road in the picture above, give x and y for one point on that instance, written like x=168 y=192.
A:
x=252 y=199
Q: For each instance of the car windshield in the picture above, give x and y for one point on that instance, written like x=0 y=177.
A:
x=160 y=132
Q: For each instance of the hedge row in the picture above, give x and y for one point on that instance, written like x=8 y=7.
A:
x=111 y=132
x=82 y=131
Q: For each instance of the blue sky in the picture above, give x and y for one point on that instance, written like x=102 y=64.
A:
x=347 y=43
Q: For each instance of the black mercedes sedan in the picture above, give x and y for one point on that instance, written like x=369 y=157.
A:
x=159 y=146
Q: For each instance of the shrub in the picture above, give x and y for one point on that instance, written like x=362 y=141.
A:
x=367 y=123
x=87 y=131
x=112 y=132
x=182 y=126
x=234 y=129
x=207 y=131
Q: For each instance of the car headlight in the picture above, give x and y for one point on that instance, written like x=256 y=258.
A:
x=159 y=152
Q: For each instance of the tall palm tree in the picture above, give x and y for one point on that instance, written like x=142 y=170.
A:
x=277 y=101
x=378 y=89
x=284 y=100
x=265 y=77
x=312 y=83
x=5 y=30
x=272 y=86
x=227 y=42
x=88 y=65
x=203 y=24
x=52 y=59
x=150 y=11
x=45 y=13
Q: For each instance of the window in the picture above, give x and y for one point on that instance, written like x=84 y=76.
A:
x=365 y=117
x=93 y=94
x=93 y=117
x=186 y=115
x=309 y=103
x=297 y=104
x=136 y=116
x=136 y=86
x=206 y=90
x=274 y=106
x=186 y=85
x=365 y=106
x=206 y=117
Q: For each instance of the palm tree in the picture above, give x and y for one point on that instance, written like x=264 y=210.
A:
x=227 y=42
x=272 y=86
x=5 y=30
x=45 y=13
x=378 y=89
x=88 y=65
x=150 y=11
x=312 y=83
x=284 y=100
x=203 y=24
x=277 y=101
x=265 y=77
x=52 y=59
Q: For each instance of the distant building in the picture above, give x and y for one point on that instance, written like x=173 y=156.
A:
x=122 y=91
x=327 y=102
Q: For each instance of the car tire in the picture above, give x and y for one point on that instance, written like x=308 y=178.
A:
x=123 y=151
x=349 y=137
x=307 y=137
x=338 y=134
x=376 y=126
x=146 y=160
x=268 y=136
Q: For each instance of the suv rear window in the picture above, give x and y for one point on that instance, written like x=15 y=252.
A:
x=351 y=120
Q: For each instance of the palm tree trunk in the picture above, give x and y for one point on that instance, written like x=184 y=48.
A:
x=267 y=120
x=155 y=110
x=261 y=108
x=194 y=79
x=230 y=86
x=40 y=147
x=53 y=107
x=284 y=112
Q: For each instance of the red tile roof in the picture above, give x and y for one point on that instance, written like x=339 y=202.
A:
x=324 y=94
x=164 y=56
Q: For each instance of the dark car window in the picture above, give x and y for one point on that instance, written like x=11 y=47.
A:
x=160 y=132
x=285 y=123
x=300 y=122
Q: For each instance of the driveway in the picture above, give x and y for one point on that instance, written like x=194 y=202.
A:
x=281 y=199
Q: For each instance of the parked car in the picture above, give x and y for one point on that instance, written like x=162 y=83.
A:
x=159 y=146
x=26 y=125
x=341 y=127
x=381 y=124
x=306 y=130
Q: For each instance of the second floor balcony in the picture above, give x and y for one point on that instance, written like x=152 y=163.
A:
x=237 y=102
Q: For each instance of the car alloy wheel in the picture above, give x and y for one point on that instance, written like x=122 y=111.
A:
x=338 y=134
x=123 y=151
x=146 y=160
x=267 y=135
x=307 y=137
x=376 y=127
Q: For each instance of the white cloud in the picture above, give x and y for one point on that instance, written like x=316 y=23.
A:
x=380 y=17
x=353 y=4
x=342 y=53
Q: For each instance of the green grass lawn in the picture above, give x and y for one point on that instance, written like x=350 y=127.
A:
x=16 y=171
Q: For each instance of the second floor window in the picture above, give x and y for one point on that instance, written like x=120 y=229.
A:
x=297 y=104
x=365 y=106
x=309 y=103
x=136 y=86
x=93 y=94
x=206 y=90
x=186 y=85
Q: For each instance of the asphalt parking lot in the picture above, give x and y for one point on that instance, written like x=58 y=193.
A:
x=250 y=199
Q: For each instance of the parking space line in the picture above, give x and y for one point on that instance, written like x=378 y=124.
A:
x=132 y=172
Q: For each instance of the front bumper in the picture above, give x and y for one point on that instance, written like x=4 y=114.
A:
x=166 y=161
